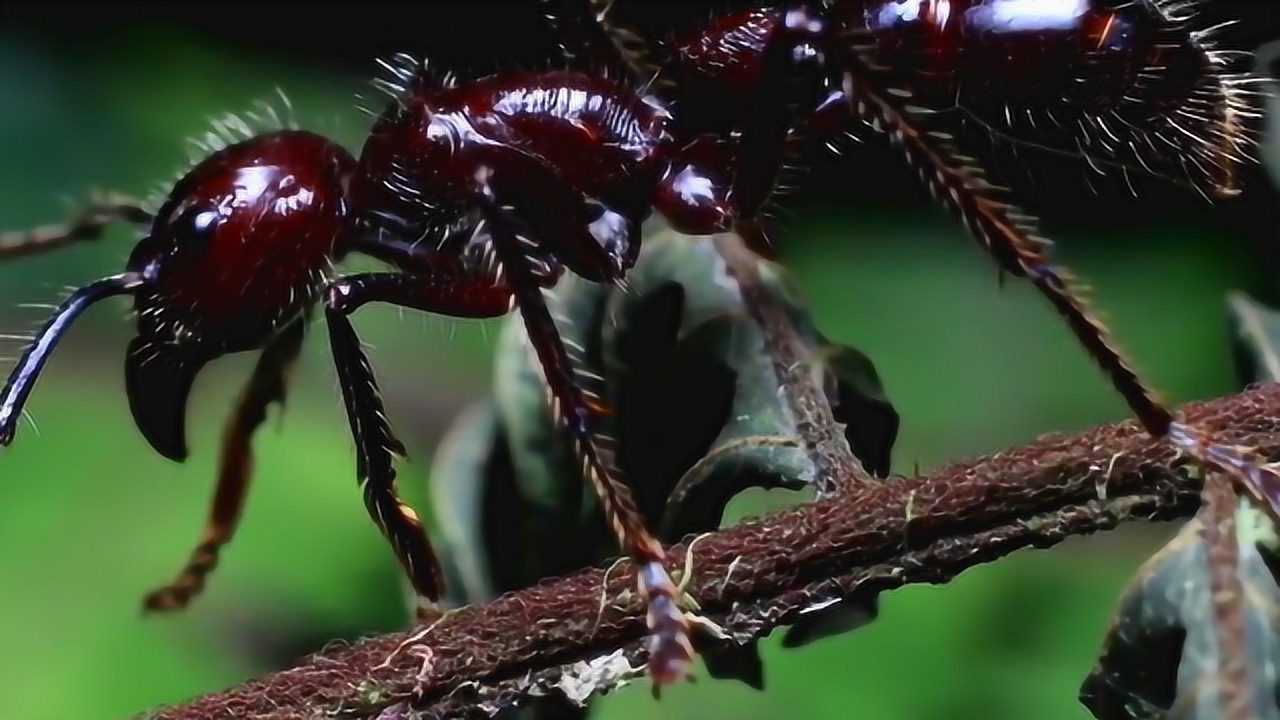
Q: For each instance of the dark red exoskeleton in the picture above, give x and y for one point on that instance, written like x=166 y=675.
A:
x=480 y=194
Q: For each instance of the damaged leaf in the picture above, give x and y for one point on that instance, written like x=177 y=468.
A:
x=1162 y=659
x=1267 y=64
x=696 y=413
x=1257 y=335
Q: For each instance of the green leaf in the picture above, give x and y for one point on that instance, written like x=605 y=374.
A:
x=1161 y=657
x=464 y=468
x=1267 y=64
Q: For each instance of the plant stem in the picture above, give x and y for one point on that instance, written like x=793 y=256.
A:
x=584 y=633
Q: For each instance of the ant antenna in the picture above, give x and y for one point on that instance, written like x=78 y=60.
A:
x=15 y=392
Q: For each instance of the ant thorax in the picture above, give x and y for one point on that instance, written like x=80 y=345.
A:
x=576 y=155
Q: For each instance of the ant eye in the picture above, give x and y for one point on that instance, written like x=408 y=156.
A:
x=194 y=228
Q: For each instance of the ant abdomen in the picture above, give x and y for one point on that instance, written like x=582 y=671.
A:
x=1007 y=51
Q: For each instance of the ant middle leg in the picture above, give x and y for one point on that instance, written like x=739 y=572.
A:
x=670 y=650
x=235 y=467
x=88 y=224
x=376 y=443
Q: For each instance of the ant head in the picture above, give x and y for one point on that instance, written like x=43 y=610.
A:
x=240 y=249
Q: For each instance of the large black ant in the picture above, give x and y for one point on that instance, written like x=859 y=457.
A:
x=481 y=193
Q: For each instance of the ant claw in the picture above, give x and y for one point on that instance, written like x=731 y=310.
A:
x=670 y=650
x=656 y=690
x=707 y=627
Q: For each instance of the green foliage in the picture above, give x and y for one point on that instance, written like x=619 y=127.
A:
x=696 y=416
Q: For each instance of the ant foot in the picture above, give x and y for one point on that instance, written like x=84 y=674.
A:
x=670 y=650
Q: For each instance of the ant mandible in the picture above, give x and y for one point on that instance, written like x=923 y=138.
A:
x=481 y=193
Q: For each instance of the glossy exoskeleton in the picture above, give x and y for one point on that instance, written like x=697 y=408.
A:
x=479 y=194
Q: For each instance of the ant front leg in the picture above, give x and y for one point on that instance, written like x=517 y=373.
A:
x=376 y=444
x=88 y=224
x=235 y=467
x=670 y=650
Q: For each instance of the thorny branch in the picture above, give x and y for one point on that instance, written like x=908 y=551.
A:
x=583 y=633
x=837 y=469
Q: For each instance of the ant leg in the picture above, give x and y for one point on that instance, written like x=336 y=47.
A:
x=376 y=444
x=670 y=650
x=23 y=379
x=791 y=69
x=1009 y=236
x=235 y=467
x=1006 y=233
x=88 y=224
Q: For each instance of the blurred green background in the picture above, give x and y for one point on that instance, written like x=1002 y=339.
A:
x=90 y=518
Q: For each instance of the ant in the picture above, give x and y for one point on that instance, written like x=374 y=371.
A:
x=480 y=194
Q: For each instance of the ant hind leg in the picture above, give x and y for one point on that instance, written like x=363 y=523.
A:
x=1009 y=236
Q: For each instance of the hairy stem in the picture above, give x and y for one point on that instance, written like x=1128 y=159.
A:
x=837 y=469
x=584 y=633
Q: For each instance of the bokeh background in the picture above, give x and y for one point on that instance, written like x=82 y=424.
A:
x=103 y=96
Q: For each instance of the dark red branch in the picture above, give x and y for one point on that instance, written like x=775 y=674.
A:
x=837 y=469
x=759 y=575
